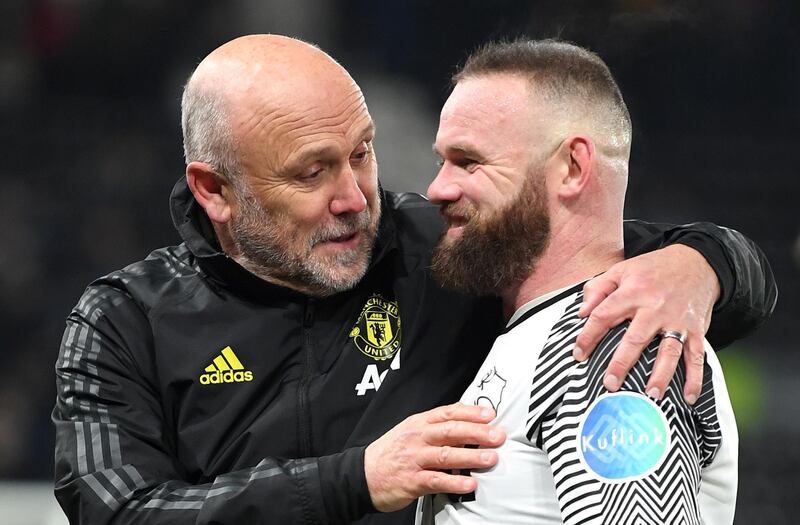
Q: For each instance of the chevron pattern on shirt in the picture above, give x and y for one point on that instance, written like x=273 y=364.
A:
x=561 y=393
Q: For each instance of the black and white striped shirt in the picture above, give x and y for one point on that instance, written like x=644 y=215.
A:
x=577 y=454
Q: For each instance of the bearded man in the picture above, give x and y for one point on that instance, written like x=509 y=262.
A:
x=535 y=140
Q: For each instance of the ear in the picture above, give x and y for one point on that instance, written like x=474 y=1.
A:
x=207 y=187
x=579 y=154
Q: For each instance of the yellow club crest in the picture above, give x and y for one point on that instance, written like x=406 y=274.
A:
x=377 y=331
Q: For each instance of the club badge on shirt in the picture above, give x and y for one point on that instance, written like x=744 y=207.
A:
x=490 y=390
x=377 y=332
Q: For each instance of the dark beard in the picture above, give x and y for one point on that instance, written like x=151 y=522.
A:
x=500 y=251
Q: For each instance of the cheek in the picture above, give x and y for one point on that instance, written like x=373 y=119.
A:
x=368 y=184
x=305 y=213
x=478 y=192
x=491 y=190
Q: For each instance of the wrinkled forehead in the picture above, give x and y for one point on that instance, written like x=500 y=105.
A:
x=314 y=96
x=276 y=122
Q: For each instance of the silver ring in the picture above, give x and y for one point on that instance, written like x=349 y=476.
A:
x=681 y=337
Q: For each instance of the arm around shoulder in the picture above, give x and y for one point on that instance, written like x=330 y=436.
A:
x=748 y=292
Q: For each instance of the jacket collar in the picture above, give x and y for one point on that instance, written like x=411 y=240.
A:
x=197 y=233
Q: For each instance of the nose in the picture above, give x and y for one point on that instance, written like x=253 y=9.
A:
x=444 y=187
x=348 y=197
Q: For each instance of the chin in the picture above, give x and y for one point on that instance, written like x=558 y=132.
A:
x=334 y=278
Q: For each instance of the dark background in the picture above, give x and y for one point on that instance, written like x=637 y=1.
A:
x=91 y=146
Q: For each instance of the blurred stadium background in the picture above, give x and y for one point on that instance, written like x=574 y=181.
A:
x=90 y=138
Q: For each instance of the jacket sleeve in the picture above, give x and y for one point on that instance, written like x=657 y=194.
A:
x=114 y=458
x=747 y=288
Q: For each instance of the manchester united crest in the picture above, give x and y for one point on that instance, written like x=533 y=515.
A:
x=377 y=332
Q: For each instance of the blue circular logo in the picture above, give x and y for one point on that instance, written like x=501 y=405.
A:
x=623 y=436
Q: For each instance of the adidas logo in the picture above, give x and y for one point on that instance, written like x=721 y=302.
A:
x=226 y=368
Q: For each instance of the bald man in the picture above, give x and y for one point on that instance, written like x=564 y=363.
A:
x=240 y=376
x=535 y=140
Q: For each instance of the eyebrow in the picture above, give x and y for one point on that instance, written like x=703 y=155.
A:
x=369 y=129
x=462 y=149
x=320 y=151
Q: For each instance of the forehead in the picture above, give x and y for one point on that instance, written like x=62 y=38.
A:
x=284 y=124
x=488 y=107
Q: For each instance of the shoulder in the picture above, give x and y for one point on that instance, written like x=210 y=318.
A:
x=164 y=275
x=416 y=219
x=404 y=200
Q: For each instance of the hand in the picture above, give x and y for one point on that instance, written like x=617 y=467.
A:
x=408 y=461
x=669 y=289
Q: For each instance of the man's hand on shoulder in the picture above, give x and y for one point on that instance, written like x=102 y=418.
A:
x=413 y=458
x=672 y=289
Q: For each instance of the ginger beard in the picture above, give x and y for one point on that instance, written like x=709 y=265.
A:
x=268 y=241
x=495 y=252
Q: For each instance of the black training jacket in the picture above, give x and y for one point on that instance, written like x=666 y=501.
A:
x=190 y=391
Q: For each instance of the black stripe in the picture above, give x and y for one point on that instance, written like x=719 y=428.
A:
x=542 y=306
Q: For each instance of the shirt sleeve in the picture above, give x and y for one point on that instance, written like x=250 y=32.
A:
x=748 y=292
x=622 y=457
x=114 y=458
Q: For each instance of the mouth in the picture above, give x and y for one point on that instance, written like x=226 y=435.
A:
x=342 y=242
x=455 y=224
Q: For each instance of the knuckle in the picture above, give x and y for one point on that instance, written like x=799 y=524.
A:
x=659 y=302
x=590 y=286
x=671 y=349
x=660 y=378
x=583 y=339
x=411 y=431
x=443 y=456
x=448 y=429
x=696 y=358
x=638 y=285
x=645 y=276
x=694 y=383
x=601 y=314
x=637 y=338
x=433 y=481
x=618 y=365
x=448 y=412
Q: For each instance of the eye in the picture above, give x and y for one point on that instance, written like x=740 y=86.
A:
x=312 y=173
x=362 y=153
x=467 y=164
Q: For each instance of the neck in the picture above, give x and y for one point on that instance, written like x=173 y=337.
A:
x=573 y=255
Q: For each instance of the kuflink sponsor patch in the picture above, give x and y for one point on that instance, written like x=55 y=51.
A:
x=623 y=436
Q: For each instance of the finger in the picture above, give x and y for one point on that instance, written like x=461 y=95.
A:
x=457 y=433
x=694 y=357
x=596 y=290
x=435 y=482
x=602 y=319
x=670 y=351
x=638 y=335
x=459 y=412
x=448 y=458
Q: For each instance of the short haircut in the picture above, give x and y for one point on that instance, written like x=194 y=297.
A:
x=207 y=133
x=562 y=73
